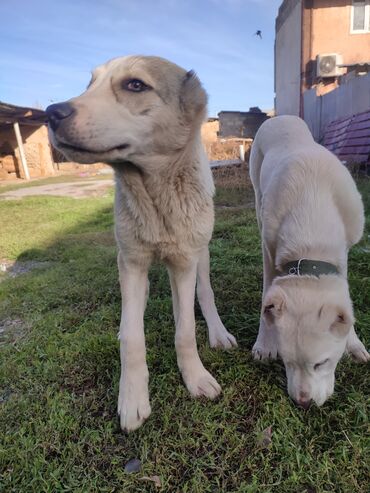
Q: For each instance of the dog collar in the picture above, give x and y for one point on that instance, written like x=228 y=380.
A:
x=305 y=267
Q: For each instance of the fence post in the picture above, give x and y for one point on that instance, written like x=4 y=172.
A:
x=241 y=152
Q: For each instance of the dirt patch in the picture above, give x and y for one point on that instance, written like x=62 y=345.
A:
x=15 y=268
x=77 y=190
x=231 y=177
x=5 y=395
x=11 y=330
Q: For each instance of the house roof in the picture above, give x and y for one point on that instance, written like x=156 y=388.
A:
x=10 y=113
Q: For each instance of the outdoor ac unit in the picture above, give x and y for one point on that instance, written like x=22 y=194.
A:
x=327 y=65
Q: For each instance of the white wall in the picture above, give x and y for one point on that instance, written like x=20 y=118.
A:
x=288 y=62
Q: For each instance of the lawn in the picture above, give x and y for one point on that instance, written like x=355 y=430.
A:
x=59 y=370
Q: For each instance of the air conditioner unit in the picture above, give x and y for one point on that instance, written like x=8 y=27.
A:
x=327 y=65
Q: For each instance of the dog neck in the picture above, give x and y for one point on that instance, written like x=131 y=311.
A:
x=321 y=257
x=178 y=193
x=306 y=267
x=318 y=237
x=179 y=168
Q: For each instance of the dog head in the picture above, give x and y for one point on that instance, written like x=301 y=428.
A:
x=312 y=318
x=135 y=107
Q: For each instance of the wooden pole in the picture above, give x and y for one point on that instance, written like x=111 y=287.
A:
x=42 y=160
x=22 y=154
x=241 y=152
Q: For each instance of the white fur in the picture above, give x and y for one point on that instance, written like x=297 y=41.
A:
x=307 y=207
x=163 y=208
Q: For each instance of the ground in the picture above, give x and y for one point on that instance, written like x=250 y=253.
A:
x=59 y=368
x=77 y=189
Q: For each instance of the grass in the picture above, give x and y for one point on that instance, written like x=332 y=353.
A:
x=59 y=370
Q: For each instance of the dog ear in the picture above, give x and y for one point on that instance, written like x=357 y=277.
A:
x=193 y=98
x=342 y=323
x=274 y=304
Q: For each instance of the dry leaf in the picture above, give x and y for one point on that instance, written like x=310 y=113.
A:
x=154 y=479
x=265 y=438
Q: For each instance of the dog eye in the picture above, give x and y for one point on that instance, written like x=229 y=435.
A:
x=315 y=367
x=134 y=85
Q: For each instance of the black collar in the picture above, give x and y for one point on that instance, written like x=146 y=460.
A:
x=305 y=267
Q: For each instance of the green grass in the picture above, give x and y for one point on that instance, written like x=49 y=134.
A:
x=59 y=373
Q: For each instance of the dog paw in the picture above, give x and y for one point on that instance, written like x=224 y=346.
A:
x=221 y=338
x=133 y=404
x=358 y=351
x=201 y=383
x=264 y=351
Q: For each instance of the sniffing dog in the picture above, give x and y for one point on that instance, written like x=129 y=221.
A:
x=309 y=214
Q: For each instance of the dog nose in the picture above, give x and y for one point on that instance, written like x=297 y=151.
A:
x=304 y=403
x=58 y=112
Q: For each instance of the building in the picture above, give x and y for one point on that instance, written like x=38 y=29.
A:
x=317 y=42
x=241 y=124
x=322 y=71
x=25 y=151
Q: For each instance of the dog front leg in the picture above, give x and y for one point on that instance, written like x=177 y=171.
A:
x=356 y=348
x=217 y=334
x=133 y=399
x=197 y=379
x=265 y=346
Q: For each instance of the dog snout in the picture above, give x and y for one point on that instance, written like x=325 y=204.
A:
x=304 y=403
x=58 y=112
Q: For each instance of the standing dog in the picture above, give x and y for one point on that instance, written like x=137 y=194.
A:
x=142 y=115
x=309 y=213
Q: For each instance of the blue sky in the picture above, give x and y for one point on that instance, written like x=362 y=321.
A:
x=48 y=47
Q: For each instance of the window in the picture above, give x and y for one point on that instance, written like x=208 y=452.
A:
x=360 y=16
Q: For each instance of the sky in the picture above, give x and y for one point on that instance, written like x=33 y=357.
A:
x=49 y=47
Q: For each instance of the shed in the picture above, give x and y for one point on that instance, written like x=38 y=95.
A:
x=25 y=151
x=241 y=124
